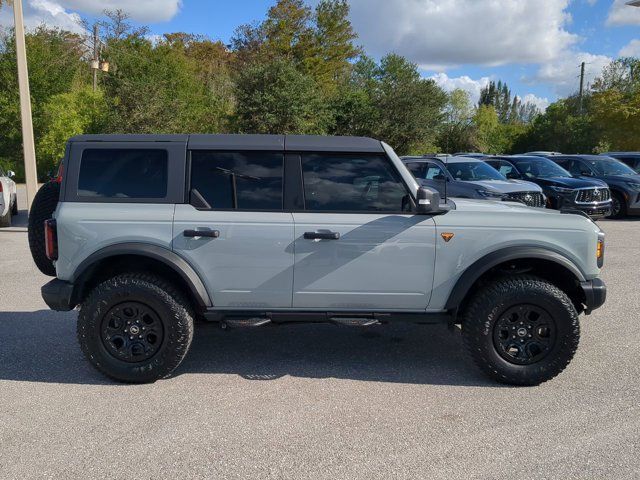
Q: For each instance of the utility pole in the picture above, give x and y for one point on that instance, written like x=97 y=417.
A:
x=28 y=148
x=95 y=62
x=582 y=65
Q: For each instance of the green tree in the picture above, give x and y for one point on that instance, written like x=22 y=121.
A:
x=410 y=107
x=55 y=66
x=456 y=132
x=65 y=115
x=277 y=98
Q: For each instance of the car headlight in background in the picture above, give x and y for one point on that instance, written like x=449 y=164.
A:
x=490 y=194
x=562 y=190
x=634 y=186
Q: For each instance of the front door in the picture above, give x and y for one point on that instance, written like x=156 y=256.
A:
x=234 y=232
x=357 y=246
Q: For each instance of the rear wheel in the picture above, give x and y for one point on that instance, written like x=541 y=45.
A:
x=42 y=208
x=521 y=330
x=135 y=328
x=14 y=210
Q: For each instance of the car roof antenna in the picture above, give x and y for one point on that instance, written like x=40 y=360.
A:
x=446 y=177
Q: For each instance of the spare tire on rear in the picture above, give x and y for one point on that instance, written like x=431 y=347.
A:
x=42 y=208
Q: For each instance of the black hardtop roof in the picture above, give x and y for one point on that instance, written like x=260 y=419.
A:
x=292 y=143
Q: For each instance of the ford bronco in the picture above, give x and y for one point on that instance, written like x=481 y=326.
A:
x=150 y=233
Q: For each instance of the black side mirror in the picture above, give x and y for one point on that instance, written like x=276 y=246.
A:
x=428 y=202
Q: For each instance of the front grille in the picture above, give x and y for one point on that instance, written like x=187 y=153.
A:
x=591 y=195
x=531 y=199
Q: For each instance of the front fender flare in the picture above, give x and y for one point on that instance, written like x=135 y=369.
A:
x=484 y=264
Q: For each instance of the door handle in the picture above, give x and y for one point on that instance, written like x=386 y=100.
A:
x=201 y=233
x=322 y=235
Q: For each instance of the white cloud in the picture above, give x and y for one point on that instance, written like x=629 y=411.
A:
x=453 y=32
x=623 y=14
x=464 y=82
x=473 y=87
x=65 y=13
x=150 y=11
x=540 y=102
x=37 y=12
x=563 y=74
x=631 y=49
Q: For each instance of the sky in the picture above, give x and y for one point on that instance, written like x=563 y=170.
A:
x=536 y=46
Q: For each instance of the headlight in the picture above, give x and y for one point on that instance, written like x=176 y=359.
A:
x=634 y=186
x=562 y=189
x=490 y=194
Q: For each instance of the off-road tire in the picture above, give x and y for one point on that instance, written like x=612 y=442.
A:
x=14 y=209
x=42 y=208
x=172 y=308
x=5 y=220
x=492 y=301
x=622 y=212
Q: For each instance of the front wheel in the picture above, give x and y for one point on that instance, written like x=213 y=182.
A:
x=135 y=328
x=521 y=330
x=618 y=206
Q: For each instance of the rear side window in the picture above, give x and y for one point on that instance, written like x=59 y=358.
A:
x=237 y=180
x=123 y=173
x=417 y=169
x=434 y=172
x=352 y=183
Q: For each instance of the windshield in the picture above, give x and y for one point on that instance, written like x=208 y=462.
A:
x=539 y=168
x=610 y=166
x=473 y=171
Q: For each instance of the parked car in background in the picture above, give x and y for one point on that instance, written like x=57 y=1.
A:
x=542 y=153
x=470 y=154
x=623 y=181
x=563 y=191
x=8 y=198
x=466 y=177
x=630 y=158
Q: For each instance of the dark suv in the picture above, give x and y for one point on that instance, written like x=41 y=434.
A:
x=623 y=181
x=630 y=158
x=563 y=191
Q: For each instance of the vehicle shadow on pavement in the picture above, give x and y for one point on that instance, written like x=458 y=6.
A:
x=41 y=347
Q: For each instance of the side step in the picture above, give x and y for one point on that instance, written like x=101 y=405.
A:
x=354 y=321
x=245 y=322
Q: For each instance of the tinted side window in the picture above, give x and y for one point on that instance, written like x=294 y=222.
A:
x=434 y=172
x=569 y=165
x=369 y=183
x=123 y=173
x=238 y=180
x=417 y=169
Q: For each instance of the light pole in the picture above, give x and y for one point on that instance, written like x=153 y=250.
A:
x=28 y=148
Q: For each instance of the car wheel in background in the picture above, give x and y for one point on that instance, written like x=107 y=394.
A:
x=14 y=211
x=42 y=208
x=5 y=220
x=618 y=206
x=521 y=330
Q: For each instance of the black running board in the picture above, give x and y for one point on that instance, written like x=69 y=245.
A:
x=256 y=318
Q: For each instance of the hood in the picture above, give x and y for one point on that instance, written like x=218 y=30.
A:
x=506 y=186
x=572 y=182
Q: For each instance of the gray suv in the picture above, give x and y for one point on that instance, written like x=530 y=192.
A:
x=153 y=232
x=466 y=177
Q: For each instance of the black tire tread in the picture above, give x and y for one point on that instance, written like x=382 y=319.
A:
x=487 y=298
x=42 y=208
x=178 y=304
x=5 y=220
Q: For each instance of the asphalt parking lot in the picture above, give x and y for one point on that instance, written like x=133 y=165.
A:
x=316 y=401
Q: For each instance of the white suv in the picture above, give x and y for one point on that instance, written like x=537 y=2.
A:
x=8 y=198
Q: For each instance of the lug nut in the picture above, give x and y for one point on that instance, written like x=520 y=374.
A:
x=130 y=338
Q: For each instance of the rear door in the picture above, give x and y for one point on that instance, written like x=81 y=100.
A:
x=357 y=245
x=234 y=231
